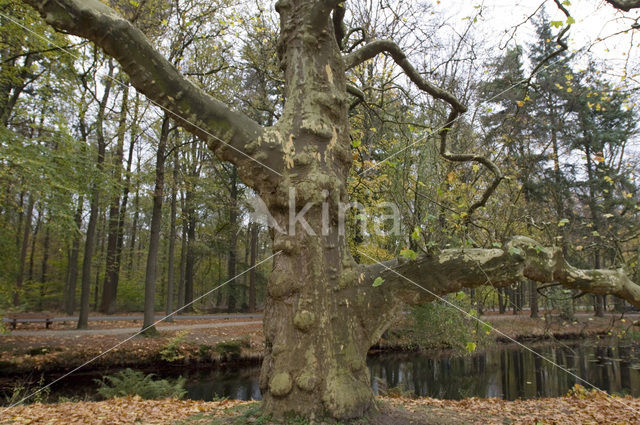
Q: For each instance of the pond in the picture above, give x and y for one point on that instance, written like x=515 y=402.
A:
x=506 y=371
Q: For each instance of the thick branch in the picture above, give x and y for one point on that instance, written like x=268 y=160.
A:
x=339 y=27
x=625 y=5
x=153 y=75
x=419 y=281
x=374 y=48
x=319 y=16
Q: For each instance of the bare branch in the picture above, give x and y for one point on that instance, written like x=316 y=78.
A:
x=559 y=40
x=153 y=75
x=374 y=48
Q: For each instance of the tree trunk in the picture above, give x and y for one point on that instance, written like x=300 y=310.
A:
x=233 y=242
x=316 y=345
x=43 y=271
x=189 y=268
x=72 y=275
x=34 y=240
x=533 y=299
x=134 y=223
x=252 y=262
x=156 y=227
x=90 y=241
x=23 y=252
x=99 y=256
x=501 y=301
x=172 y=236
x=183 y=258
x=112 y=268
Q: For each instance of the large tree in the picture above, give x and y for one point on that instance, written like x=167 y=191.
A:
x=322 y=312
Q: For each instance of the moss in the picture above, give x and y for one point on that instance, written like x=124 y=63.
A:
x=352 y=358
x=346 y=397
x=307 y=381
x=304 y=320
x=280 y=285
x=280 y=385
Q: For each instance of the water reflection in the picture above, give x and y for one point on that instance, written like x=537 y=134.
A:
x=508 y=372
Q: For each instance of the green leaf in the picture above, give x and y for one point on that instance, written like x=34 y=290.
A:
x=556 y=24
x=471 y=347
x=515 y=251
x=562 y=222
x=408 y=254
x=379 y=281
x=570 y=20
x=356 y=143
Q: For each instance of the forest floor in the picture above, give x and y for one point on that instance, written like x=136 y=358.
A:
x=578 y=407
x=32 y=350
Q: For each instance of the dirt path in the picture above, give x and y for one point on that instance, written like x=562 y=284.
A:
x=125 y=331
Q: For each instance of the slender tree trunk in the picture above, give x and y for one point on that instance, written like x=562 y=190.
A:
x=233 y=242
x=533 y=299
x=191 y=256
x=112 y=268
x=23 y=252
x=134 y=224
x=183 y=258
x=43 y=271
x=501 y=306
x=595 y=217
x=34 y=240
x=252 y=262
x=72 y=275
x=156 y=227
x=172 y=236
x=90 y=241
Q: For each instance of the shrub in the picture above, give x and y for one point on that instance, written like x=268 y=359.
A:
x=171 y=351
x=130 y=382
x=436 y=325
x=231 y=350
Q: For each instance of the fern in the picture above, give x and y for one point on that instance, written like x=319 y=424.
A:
x=130 y=382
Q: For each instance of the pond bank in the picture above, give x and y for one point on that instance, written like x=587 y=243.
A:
x=242 y=344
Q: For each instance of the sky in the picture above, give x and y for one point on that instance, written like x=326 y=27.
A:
x=593 y=19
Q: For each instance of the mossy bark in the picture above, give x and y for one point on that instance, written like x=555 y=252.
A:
x=316 y=344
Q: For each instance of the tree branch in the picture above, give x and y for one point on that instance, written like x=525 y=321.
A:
x=339 y=28
x=625 y=5
x=420 y=281
x=374 y=48
x=226 y=131
x=319 y=16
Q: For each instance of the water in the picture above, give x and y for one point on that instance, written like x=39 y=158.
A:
x=507 y=372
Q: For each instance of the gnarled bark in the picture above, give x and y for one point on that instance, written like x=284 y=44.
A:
x=422 y=280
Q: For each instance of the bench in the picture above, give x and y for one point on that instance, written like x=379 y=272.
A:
x=15 y=318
